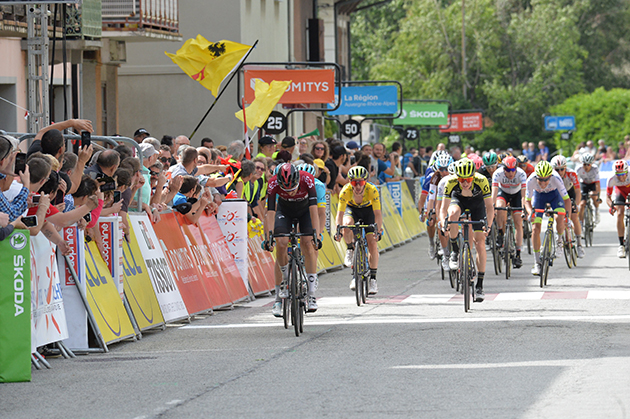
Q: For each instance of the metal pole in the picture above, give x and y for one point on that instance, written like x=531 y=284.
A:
x=464 y=48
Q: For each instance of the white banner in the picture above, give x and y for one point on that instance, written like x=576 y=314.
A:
x=112 y=235
x=75 y=309
x=48 y=316
x=162 y=279
x=232 y=218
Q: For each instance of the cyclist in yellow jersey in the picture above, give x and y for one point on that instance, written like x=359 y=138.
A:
x=360 y=200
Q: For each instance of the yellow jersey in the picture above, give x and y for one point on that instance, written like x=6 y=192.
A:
x=370 y=197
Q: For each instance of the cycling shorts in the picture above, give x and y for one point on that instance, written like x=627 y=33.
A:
x=477 y=208
x=287 y=217
x=620 y=199
x=512 y=199
x=365 y=214
x=586 y=188
x=553 y=198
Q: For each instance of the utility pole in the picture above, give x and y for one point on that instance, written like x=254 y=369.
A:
x=464 y=48
x=37 y=54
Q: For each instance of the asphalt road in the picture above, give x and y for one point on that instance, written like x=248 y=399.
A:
x=561 y=352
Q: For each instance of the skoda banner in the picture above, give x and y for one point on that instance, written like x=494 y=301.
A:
x=367 y=100
x=15 y=308
x=423 y=113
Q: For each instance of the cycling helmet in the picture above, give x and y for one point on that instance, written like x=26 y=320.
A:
x=490 y=158
x=358 y=172
x=308 y=168
x=522 y=159
x=559 y=162
x=435 y=156
x=465 y=168
x=442 y=161
x=476 y=159
x=288 y=177
x=543 y=169
x=621 y=166
x=509 y=162
x=587 y=158
x=451 y=168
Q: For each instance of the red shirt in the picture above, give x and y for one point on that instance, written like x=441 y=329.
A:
x=52 y=210
x=306 y=192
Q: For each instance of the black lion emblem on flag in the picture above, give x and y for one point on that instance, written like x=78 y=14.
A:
x=217 y=49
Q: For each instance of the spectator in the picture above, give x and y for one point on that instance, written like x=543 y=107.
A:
x=17 y=204
x=609 y=155
x=165 y=156
x=621 y=152
x=107 y=163
x=252 y=190
x=287 y=144
x=123 y=151
x=207 y=142
x=352 y=147
x=334 y=163
x=180 y=141
x=601 y=149
x=149 y=157
x=247 y=172
x=543 y=152
x=266 y=146
x=456 y=153
x=320 y=150
x=140 y=135
x=531 y=152
x=303 y=145
x=153 y=141
x=378 y=158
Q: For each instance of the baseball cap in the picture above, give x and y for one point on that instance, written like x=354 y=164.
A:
x=319 y=163
x=266 y=140
x=147 y=150
x=352 y=145
x=288 y=142
x=141 y=131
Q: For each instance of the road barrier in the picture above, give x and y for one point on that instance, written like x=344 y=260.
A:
x=159 y=273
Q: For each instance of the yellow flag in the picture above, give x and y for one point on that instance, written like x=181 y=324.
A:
x=267 y=96
x=209 y=62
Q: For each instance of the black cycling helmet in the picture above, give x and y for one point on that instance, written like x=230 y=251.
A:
x=288 y=177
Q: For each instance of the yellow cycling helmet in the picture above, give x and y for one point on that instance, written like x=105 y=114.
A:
x=465 y=168
x=358 y=172
x=543 y=169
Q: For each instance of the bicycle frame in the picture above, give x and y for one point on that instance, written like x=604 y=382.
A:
x=508 y=252
x=547 y=246
x=361 y=266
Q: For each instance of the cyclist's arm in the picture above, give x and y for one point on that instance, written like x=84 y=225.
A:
x=495 y=193
x=314 y=220
x=445 y=204
x=378 y=218
x=567 y=206
x=489 y=209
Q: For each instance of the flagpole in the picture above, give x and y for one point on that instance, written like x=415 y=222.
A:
x=248 y=154
x=223 y=89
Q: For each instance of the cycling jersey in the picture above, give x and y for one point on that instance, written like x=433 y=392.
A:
x=555 y=183
x=592 y=176
x=484 y=171
x=529 y=169
x=480 y=188
x=306 y=193
x=426 y=184
x=436 y=178
x=371 y=197
x=622 y=188
x=570 y=179
x=321 y=193
x=442 y=185
x=511 y=186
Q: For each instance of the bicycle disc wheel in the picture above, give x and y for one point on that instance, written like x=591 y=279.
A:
x=295 y=298
x=357 y=267
x=465 y=272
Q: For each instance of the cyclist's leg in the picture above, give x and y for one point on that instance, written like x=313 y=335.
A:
x=501 y=216
x=595 y=195
x=539 y=202
x=310 y=257
x=454 y=211
x=282 y=225
x=620 y=209
x=477 y=213
x=585 y=191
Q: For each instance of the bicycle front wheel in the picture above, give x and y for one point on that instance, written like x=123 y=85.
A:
x=296 y=312
x=588 y=226
x=495 y=250
x=566 y=247
x=545 y=257
x=628 y=240
x=527 y=236
x=507 y=251
x=465 y=276
x=357 y=267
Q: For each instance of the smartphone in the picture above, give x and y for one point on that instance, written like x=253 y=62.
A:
x=58 y=198
x=30 y=221
x=36 y=199
x=116 y=196
x=20 y=163
x=87 y=217
x=86 y=139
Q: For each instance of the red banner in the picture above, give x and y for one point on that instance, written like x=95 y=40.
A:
x=307 y=86
x=190 y=280
x=464 y=122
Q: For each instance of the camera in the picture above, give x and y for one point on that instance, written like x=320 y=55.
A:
x=30 y=221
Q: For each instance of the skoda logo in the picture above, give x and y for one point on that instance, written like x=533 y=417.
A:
x=403 y=115
x=18 y=241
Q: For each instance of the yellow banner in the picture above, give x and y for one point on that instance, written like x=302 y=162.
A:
x=411 y=216
x=104 y=299
x=329 y=256
x=138 y=287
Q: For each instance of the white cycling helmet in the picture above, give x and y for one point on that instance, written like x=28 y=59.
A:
x=451 y=168
x=587 y=158
x=559 y=162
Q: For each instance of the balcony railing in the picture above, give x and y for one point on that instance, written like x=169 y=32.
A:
x=160 y=16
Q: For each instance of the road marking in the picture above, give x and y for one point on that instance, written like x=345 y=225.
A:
x=407 y=320
x=540 y=363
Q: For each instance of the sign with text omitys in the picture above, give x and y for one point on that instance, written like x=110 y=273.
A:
x=423 y=113
x=307 y=86
x=464 y=122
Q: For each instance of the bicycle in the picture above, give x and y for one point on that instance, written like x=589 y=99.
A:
x=569 y=244
x=360 y=264
x=527 y=233
x=548 y=247
x=442 y=257
x=508 y=251
x=294 y=306
x=588 y=224
x=494 y=248
x=627 y=228
x=467 y=270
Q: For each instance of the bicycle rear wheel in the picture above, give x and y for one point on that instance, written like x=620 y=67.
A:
x=573 y=244
x=465 y=273
x=296 y=312
x=566 y=247
x=588 y=225
x=357 y=268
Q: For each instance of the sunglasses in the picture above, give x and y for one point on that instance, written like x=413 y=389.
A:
x=587 y=164
x=544 y=179
x=510 y=170
x=357 y=182
x=154 y=173
x=561 y=168
x=465 y=179
x=319 y=148
x=621 y=174
x=164 y=159
x=443 y=169
x=260 y=169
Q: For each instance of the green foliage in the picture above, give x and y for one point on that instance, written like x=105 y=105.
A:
x=523 y=57
x=598 y=115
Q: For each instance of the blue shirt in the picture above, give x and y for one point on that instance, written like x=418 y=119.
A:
x=321 y=192
x=179 y=198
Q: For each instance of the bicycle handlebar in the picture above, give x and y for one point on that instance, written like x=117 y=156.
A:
x=509 y=208
x=358 y=226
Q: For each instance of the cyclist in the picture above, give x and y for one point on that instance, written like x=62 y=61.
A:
x=508 y=182
x=297 y=200
x=468 y=191
x=360 y=200
x=588 y=174
x=439 y=200
x=441 y=170
x=490 y=161
x=570 y=179
x=320 y=187
x=621 y=184
x=545 y=186
x=523 y=163
x=423 y=208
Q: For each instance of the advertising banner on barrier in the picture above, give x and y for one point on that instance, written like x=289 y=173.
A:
x=104 y=299
x=15 y=304
x=190 y=280
x=76 y=316
x=215 y=284
x=396 y=193
x=48 y=314
x=410 y=214
x=112 y=236
x=264 y=264
x=232 y=219
x=218 y=248
x=138 y=287
x=164 y=285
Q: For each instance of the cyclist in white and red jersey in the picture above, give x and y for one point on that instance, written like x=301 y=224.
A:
x=588 y=174
x=545 y=186
x=620 y=183
x=440 y=219
x=297 y=203
x=571 y=183
x=508 y=182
